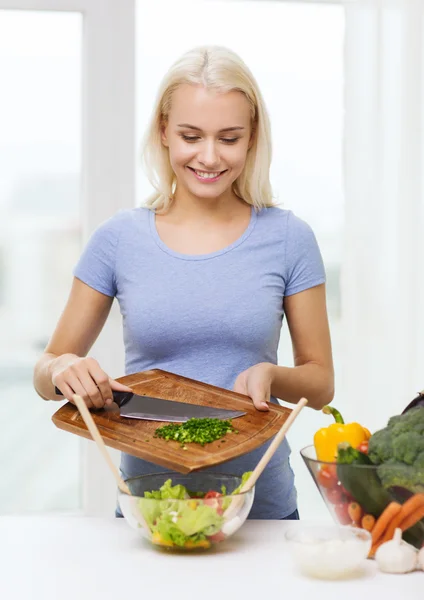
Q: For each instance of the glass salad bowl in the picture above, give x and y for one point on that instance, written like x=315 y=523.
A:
x=186 y=512
x=355 y=495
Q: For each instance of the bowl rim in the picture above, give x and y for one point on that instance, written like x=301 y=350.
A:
x=356 y=531
x=170 y=474
x=329 y=462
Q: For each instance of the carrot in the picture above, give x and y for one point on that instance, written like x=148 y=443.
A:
x=368 y=522
x=412 y=518
x=355 y=512
x=413 y=503
x=386 y=517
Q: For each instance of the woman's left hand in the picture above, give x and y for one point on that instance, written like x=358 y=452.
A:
x=256 y=383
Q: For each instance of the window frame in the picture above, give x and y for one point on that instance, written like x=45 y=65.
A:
x=107 y=169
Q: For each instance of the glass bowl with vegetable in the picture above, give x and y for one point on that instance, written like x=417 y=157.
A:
x=377 y=484
x=186 y=512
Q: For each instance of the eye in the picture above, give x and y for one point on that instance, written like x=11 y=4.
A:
x=190 y=138
x=229 y=140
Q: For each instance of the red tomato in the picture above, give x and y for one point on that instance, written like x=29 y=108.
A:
x=217 y=537
x=342 y=513
x=212 y=499
x=363 y=447
x=346 y=496
x=212 y=494
x=335 y=495
x=327 y=477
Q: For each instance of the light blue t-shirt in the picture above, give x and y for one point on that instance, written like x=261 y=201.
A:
x=207 y=317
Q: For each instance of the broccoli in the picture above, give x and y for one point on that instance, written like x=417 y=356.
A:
x=399 y=451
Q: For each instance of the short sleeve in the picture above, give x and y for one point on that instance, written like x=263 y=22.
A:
x=304 y=264
x=96 y=266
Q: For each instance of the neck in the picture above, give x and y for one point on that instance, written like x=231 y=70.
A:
x=188 y=207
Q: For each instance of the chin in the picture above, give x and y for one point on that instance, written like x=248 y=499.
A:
x=208 y=194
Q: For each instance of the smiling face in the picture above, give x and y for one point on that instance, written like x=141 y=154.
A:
x=208 y=135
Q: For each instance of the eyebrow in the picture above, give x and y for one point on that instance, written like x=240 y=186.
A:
x=187 y=126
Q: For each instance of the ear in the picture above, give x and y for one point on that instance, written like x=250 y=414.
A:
x=163 y=134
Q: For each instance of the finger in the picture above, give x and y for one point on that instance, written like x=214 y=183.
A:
x=115 y=385
x=260 y=405
x=66 y=390
x=74 y=383
x=92 y=390
x=259 y=398
x=101 y=379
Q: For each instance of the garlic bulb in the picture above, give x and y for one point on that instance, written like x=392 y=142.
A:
x=396 y=556
x=421 y=559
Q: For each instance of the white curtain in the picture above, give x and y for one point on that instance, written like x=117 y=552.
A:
x=383 y=270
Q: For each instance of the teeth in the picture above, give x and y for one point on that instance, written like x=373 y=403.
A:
x=206 y=175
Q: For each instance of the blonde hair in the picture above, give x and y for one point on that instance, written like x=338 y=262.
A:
x=221 y=70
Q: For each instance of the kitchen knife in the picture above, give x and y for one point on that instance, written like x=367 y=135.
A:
x=134 y=406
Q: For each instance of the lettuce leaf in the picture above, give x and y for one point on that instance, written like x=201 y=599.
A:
x=178 y=492
x=244 y=478
x=203 y=519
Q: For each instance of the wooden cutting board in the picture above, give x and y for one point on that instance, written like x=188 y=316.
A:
x=135 y=436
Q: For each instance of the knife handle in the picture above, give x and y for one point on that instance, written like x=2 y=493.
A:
x=120 y=398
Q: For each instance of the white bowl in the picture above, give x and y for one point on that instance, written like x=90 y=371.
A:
x=328 y=551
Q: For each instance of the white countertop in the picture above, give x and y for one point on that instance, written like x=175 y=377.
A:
x=79 y=558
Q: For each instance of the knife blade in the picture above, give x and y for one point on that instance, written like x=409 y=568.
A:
x=135 y=406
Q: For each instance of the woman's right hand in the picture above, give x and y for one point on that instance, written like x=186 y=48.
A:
x=84 y=376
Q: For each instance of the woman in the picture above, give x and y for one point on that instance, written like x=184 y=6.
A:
x=205 y=272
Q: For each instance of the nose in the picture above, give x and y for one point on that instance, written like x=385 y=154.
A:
x=208 y=155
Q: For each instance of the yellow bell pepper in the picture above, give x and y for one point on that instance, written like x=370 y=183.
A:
x=158 y=539
x=200 y=544
x=189 y=544
x=327 y=439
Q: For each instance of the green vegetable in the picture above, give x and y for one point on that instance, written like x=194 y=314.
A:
x=362 y=483
x=398 y=449
x=227 y=500
x=180 y=523
x=244 y=478
x=177 y=492
x=347 y=455
x=169 y=513
x=199 y=431
x=204 y=519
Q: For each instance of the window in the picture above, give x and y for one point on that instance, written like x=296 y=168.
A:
x=40 y=239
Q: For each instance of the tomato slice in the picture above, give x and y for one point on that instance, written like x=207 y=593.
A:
x=212 y=494
x=217 y=537
x=212 y=499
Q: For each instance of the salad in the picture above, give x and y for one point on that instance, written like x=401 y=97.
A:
x=178 y=517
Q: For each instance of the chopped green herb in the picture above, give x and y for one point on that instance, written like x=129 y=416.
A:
x=199 y=431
